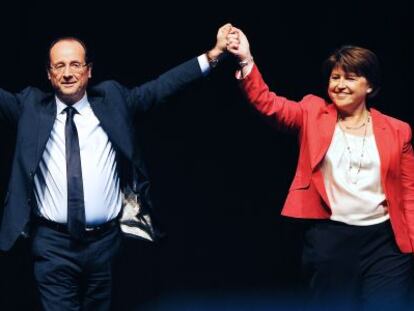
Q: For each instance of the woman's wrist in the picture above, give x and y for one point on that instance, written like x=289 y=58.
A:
x=246 y=61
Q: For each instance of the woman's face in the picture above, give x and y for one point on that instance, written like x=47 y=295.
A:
x=347 y=90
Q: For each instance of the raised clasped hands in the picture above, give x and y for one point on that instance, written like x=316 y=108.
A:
x=221 y=41
x=233 y=40
x=238 y=45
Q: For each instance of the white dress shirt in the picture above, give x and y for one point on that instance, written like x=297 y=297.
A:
x=101 y=184
x=100 y=177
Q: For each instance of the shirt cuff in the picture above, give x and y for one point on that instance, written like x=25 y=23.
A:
x=204 y=65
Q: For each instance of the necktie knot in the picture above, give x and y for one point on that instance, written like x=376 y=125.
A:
x=70 y=111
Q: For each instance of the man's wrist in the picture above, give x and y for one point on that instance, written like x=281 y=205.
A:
x=213 y=56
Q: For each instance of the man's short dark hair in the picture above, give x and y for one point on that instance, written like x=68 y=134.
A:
x=67 y=38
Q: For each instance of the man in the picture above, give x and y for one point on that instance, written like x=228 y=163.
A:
x=74 y=154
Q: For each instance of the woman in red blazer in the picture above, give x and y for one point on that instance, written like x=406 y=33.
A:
x=354 y=180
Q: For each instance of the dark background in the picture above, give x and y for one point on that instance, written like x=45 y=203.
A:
x=220 y=172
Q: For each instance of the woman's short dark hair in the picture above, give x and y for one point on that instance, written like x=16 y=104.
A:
x=358 y=60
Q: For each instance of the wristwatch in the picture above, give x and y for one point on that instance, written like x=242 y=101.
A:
x=245 y=62
x=212 y=61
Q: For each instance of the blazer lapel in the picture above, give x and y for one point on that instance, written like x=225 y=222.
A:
x=319 y=141
x=321 y=135
x=383 y=138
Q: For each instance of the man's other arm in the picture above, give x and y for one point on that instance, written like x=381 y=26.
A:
x=149 y=94
x=9 y=108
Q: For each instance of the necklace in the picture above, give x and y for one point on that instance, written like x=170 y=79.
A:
x=355 y=127
x=354 y=179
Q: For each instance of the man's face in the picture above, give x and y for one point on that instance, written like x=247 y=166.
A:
x=68 y=72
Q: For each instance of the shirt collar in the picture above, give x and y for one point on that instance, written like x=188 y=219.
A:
x=80 y=105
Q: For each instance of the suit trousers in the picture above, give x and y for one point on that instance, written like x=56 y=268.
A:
x=356 y=267
x=74 y=275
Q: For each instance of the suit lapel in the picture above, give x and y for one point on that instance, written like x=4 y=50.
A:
x=114 y=125
x=45 y=120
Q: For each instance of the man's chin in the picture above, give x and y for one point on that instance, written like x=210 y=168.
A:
x=69 y=97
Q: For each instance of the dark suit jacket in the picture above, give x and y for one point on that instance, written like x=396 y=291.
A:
x=33 y=112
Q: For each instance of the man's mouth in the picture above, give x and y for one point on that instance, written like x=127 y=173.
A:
x=68 y=84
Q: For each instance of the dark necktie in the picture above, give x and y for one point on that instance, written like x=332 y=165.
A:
x=76 y=206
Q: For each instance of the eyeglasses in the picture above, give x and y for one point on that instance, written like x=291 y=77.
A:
x=74 y=67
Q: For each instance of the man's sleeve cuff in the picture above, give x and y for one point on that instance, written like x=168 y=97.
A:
x=204 y=65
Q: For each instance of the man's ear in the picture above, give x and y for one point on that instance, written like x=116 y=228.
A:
x=90 y=70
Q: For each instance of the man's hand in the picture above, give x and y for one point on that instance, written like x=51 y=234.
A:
x=221 y=43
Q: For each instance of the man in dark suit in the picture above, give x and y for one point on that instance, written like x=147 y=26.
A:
x=74 y=154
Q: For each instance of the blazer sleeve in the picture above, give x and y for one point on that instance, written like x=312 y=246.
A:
x=9 y=108
x=142 y=98
x=407 y=181
x=287 y=113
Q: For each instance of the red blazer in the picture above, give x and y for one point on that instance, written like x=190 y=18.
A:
x=314 y=119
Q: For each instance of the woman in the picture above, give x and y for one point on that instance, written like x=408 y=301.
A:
x=354 y=179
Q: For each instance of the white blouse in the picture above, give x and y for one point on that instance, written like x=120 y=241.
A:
x=352 y=182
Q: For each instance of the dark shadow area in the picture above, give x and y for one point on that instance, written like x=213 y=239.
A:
x=219 y=171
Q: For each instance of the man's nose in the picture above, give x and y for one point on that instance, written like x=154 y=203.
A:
x=67 y=73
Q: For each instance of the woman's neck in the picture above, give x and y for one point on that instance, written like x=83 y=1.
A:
x=353 y=118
